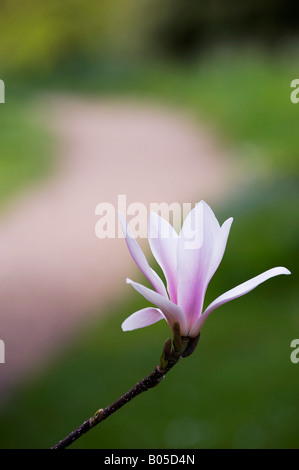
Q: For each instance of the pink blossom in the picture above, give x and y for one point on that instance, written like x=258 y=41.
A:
x=188 y=269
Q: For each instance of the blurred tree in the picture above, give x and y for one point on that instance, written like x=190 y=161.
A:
x=43 y=34
x=181 y=27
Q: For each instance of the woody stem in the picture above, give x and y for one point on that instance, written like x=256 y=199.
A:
x=152 y=380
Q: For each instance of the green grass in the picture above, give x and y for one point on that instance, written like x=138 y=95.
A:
x=239 y=388
x=25 y=147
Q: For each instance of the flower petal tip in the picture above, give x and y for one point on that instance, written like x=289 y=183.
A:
x=126 y=328
x=286 y=271
x=280 y=270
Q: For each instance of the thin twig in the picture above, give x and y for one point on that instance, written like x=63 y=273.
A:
x=182 y=347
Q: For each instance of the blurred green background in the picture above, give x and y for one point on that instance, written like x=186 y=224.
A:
x=230 y=64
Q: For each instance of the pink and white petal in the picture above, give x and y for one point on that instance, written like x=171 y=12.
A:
x=171 y=311
x=236 y=292
x=141 y=261
x=141 y=318
x=215 y=260
x=163 y=240
x=221 y=243
x=194 y=259
x=205 y=218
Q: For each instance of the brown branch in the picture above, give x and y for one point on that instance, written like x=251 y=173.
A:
x=182 y=347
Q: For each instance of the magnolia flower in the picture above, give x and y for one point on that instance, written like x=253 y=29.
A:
x=188 y=268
